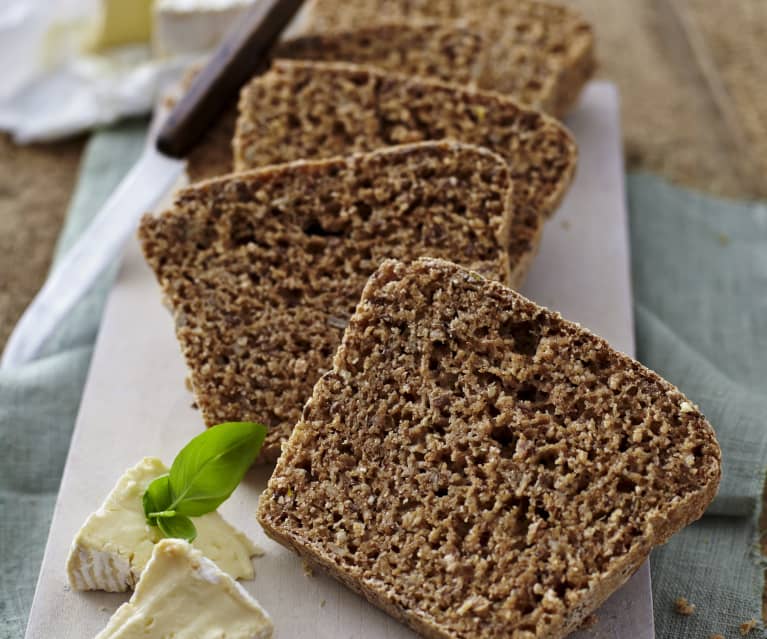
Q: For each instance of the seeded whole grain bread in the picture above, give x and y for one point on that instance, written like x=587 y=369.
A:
x=263 y=269
x=449 y=52
x=443 y=51
x=541 y=53
x=477 y=466
x=319 y=109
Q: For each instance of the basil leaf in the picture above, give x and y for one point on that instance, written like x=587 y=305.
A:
x=209 y=468
x=157 y=498
x=179 y=527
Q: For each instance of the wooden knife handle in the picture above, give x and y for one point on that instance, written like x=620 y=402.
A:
x=243 y=54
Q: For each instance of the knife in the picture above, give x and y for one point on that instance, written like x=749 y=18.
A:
x=243 y=54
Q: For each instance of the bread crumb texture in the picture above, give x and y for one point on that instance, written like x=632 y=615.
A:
x=263 y=269
x=292 y=112
x=441 y=50
x=446 y=51
x=681 y=605
x=307 y=109
x=478 y=466
x=540 y=53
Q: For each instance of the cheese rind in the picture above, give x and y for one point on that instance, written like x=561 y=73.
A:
x=193 y=26
x=115 y=543
x=90 y=569
x=182 y=594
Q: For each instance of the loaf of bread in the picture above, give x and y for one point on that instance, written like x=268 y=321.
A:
x=539 y=52
x=443 y=51
x=477 y=466
x=448 y=52
x=263 y=269
x=319 y=109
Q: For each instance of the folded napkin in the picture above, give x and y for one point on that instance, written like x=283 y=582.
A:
x=700 y=287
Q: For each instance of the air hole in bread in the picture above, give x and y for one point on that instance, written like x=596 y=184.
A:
x=625 y=485
x=315 y=227
x=505 y=438
x=542 y=513
x=524 y=335
x=547 y=458
x=241 y=230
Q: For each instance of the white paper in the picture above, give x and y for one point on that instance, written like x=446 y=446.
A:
x=135 y=404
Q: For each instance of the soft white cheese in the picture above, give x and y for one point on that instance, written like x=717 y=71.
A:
x=183 y=595
x=193 y=26
x=115 y=543
x=122 y=22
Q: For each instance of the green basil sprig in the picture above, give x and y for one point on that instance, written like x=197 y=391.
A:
x=202 y=477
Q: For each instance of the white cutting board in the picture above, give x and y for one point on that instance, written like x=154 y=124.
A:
x=135 y=404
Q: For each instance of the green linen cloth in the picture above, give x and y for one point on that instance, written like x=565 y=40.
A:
x=699 y=270
x=700 y=291
x=39 y=402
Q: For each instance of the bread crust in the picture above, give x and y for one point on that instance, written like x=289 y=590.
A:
x=675 y=492
x=445 y=51
x=449 y=52
x=689 y=509
x=541 y=53
x=573 y=76
x=296 y=109
x=262 y=269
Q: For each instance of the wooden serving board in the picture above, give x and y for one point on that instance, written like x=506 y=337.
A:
x=135 y=404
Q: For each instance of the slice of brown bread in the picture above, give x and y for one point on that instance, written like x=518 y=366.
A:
x=478 y=466
x=263 y=269
x=448 y=52
x=444 y=51
x=320 y=109
x=541 y=53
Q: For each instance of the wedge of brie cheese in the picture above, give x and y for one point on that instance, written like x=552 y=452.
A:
x=115 y=543
x=183 y=595
x=193 y=26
